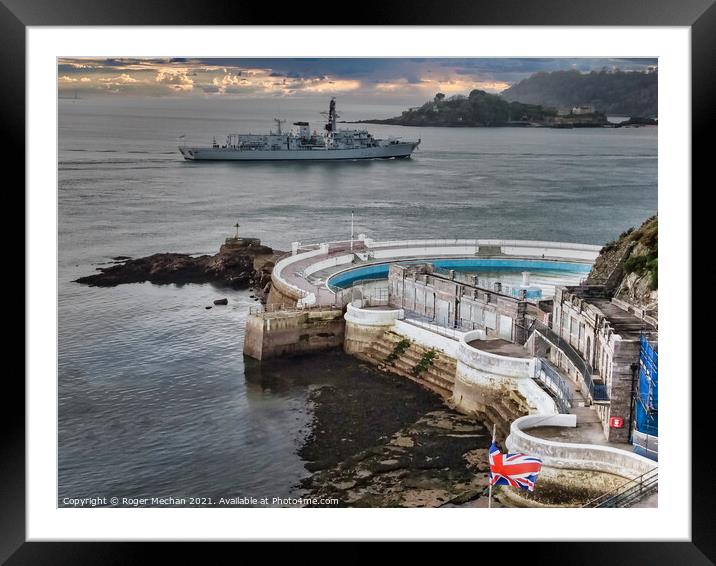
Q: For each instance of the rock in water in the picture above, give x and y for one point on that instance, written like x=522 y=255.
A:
x=233 y=266
x=221 y=302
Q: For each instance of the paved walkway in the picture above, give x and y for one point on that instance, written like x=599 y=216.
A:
x=623 y=322
x=589 y=429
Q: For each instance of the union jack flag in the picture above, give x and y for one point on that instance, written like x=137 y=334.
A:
x=517 y=470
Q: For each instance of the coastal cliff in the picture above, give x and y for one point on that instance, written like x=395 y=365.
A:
x=628 y=266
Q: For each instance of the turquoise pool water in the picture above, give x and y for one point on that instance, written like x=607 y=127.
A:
x=491 y=269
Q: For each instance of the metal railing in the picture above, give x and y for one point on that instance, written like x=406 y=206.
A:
x=508 y=291
x=561 y=392
x=597 y=391
x=629 y=492
x=360 y=290
x=429 y=324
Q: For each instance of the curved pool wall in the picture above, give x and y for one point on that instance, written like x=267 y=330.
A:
x=291 y=286
x=346 y=278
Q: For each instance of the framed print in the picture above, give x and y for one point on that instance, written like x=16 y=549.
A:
x=394 y=280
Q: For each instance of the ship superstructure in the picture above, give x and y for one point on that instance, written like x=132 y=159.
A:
x=303 y=144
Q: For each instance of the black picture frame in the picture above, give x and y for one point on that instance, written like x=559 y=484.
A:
x=17 y=15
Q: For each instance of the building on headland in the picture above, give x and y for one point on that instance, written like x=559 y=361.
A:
x=575 y=110
x=583 y=109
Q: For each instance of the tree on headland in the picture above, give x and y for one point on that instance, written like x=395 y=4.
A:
x=479 y=108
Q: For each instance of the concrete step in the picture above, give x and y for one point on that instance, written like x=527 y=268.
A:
x=390 y=339
x=439 y=377
x=414 y=355
x=586 y=415
x=432 y=381
x=432 y=376
x=438 y=388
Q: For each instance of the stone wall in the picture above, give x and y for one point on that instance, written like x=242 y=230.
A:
x=279 y=295
x=282 y=333
x=365 y=326
x=612 y=353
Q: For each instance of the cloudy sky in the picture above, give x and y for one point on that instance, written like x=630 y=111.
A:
x=400 y=79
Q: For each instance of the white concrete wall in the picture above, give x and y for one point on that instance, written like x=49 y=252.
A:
x=493 y=363
x=526 y=248
x=573 y=456
x=517 y=248
x=326 y=263
x=551 y=252
x=373 y=317
x=483 y=374
x=287 y=261
x=537 y=397
x=426 y=338
x=423 y=251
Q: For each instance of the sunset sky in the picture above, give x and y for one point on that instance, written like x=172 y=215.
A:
x=406 y=80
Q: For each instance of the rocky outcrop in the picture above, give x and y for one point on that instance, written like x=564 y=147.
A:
x=240 y=262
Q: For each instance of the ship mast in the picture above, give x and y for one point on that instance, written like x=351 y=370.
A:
x=278 y=123
x=332 y=114
x=331 y=125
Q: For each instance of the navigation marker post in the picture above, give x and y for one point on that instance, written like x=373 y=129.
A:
x=237 y=229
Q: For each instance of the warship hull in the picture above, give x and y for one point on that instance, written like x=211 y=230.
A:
x=395 y=150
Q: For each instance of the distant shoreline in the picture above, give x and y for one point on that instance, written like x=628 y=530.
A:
x=393 y=122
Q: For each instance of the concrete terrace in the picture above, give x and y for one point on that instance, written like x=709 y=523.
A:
x=501 y=347
x=589 y=430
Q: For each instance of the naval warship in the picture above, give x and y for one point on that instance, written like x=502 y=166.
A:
x=302 y=144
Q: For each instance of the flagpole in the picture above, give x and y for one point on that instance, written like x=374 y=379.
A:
x=489 y=495
x=351 y=230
